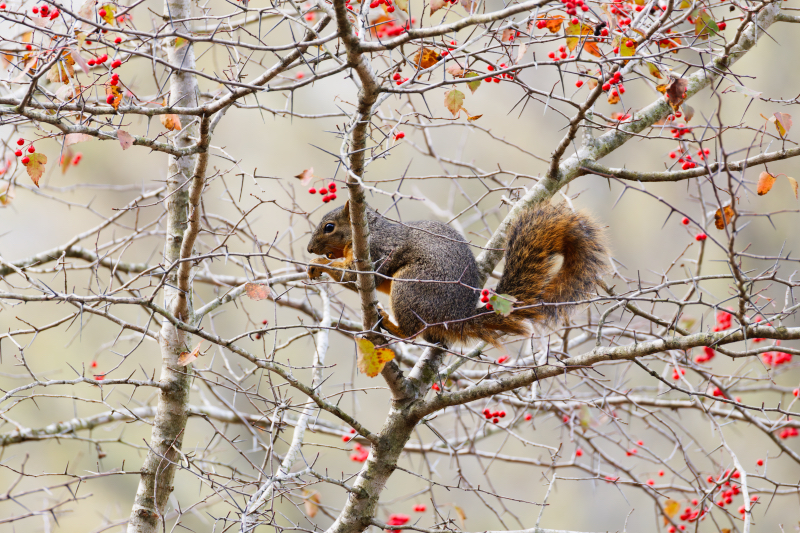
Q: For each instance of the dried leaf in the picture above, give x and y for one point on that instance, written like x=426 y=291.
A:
x=662 y=88
x=592 y=48
x=613 y=97
x=783 y=123
x=553 y=23
x=574 y=33
x=675 y=92
x=436 y=5
x=508 y=35
x=688 y=112
x=469 y=5
x=402 y=5
x=110 y=15
x=371 y=360
x=306 y=176
x=187 y=357
x=6 y=193
x=26 y=37
x=454 y=70
x=745 y=91
x=117 y=93
x=58 y=74
x=426 y=58
x=473 y=85
x=66 y=159
x=453 y=100
x=473 y=118
x=79 y=60
x=74 y=138
x=311 y=503
x=719 y=221
x=171 y=121
x=765 y=183
x=654 y=71
x=125 y=139
x=87 y=10
x=35 y=166
x=461 y=514
x=257 y=291
x=793 y=183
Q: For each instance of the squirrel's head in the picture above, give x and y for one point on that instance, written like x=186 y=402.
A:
x=332 y=234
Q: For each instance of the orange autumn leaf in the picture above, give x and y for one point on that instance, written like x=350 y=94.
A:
x=257 y=291
x=35 y=166
x=552 y=23
x=765 y=183
x=426 y=58
x=187 y=357
x=723 y=217
x=113 y=90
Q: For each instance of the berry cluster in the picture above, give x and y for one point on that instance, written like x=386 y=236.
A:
x=496 y=79
x=44 y=11
x=359 y=454
x=562 y=53
x=707 y=355
x=700 y=236
x=494 y=416
x=787 y=433
x=775 y=359
x=399 y=79
x=326 y=196
x=388 y=3
x=616 y=79
x=485 y=299
x=420 y=508
x=677 y=373
x=398 y=519
x=25 y=160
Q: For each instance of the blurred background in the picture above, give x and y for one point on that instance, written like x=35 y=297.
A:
x=645 y=238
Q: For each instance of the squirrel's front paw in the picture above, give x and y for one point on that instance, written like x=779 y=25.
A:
x=315 y=268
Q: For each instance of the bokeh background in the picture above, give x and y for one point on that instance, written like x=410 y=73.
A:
x=644 y=241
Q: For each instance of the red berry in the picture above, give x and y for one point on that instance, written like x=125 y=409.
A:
x=345 y=438
x=312 y=190
x=660 y=472
x=390 y=9
x=616 y=49
x=323 y=191
x=93 y=364
x=116 y=63
x=399 y=135
x=25 y=160
x=760 y=462
x=575 y=20
x=551 y=55
x=579 y=84
x=528 y=416
x=114 y=81
x=332 y=197
x=35 y=10
x=563 y=55
x=102 y=13
x=110 y=99
x=489 y=307
x=651 y=482
x=630 y=44
x=604 y=32
x=502 y=414
x=639 y=443
x=796 y=393
x=722 y=25
x=18 y=153
x=485 y=292
x=44 y=10
x=90 y=62
x=31 y=149
x=28 y=47
x=332 y=187
x=639 y=8
x=118 y=40
x=578 y=452
x=700 y=237
x=606 y=87
x=20 y=141
x=2 y=6
x=495 y=420
x=77 y=158
x=396 y=76
x=435 y=386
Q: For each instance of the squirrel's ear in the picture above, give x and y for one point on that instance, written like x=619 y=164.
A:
x=346 y=209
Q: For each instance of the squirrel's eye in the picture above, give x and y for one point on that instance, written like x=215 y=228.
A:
x=328 y=227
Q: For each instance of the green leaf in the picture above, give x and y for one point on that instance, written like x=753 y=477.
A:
x=453 y=100
x=473 y=85
x=704 y=25
x=502 y=304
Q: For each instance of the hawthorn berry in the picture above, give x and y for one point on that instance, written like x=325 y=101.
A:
x=25 y=160
x=118 y=40
x=528 y=416
x=18 y=153
x=574 y=20
x=345 y=438
x=604 y=32
x=113 y=81
x=495 y=420
x=102 y=13
x=701 y=237
x=541 y=24
x=419 y=508
x=661 y=473
x=651 y=482
x=796 y=393
x=502 y=359
x=332 y=196
x=489 y=307
x=110 y=99
x=562 y=55
x=639 y=443
x=2 y=6
x=323 y=191
x=435 y=386
x=396 y=76
x=399 y=135
x=35 y=10
x=312 y=190
x=579 y=84
x=332 y=187
x=578 y=452
x=20 y=141
x=77 y=158
x=28 y=47
x=606 y=87
x=31 y=149
x=722 y=25
x=671 y=529
x=630 y=44
x=551 y=55
x=673 y=155
x=91 y=62
x=390 y=9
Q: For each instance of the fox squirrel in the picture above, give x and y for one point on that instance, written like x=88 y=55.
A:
x=553 y=256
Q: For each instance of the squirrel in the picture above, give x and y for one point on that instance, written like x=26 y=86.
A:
x=553 y=256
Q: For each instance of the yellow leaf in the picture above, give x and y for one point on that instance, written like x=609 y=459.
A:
x=110 y=12
x=6 y=193
x=671 y=508
x=783 y=123
x=187 y=357
x=661 y=88
x=719 y=221
x=765 y=183
x=171 y=121
x=654 y=71
x=461 y=514
x=371 y=360
x=453 y=101
x=472 y=119
x=574 y=32
x=402 y=5
x=793 y=183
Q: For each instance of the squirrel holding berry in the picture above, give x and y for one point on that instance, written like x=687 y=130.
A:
x=553 y=256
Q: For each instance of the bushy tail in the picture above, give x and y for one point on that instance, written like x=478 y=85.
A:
x=553 y=256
